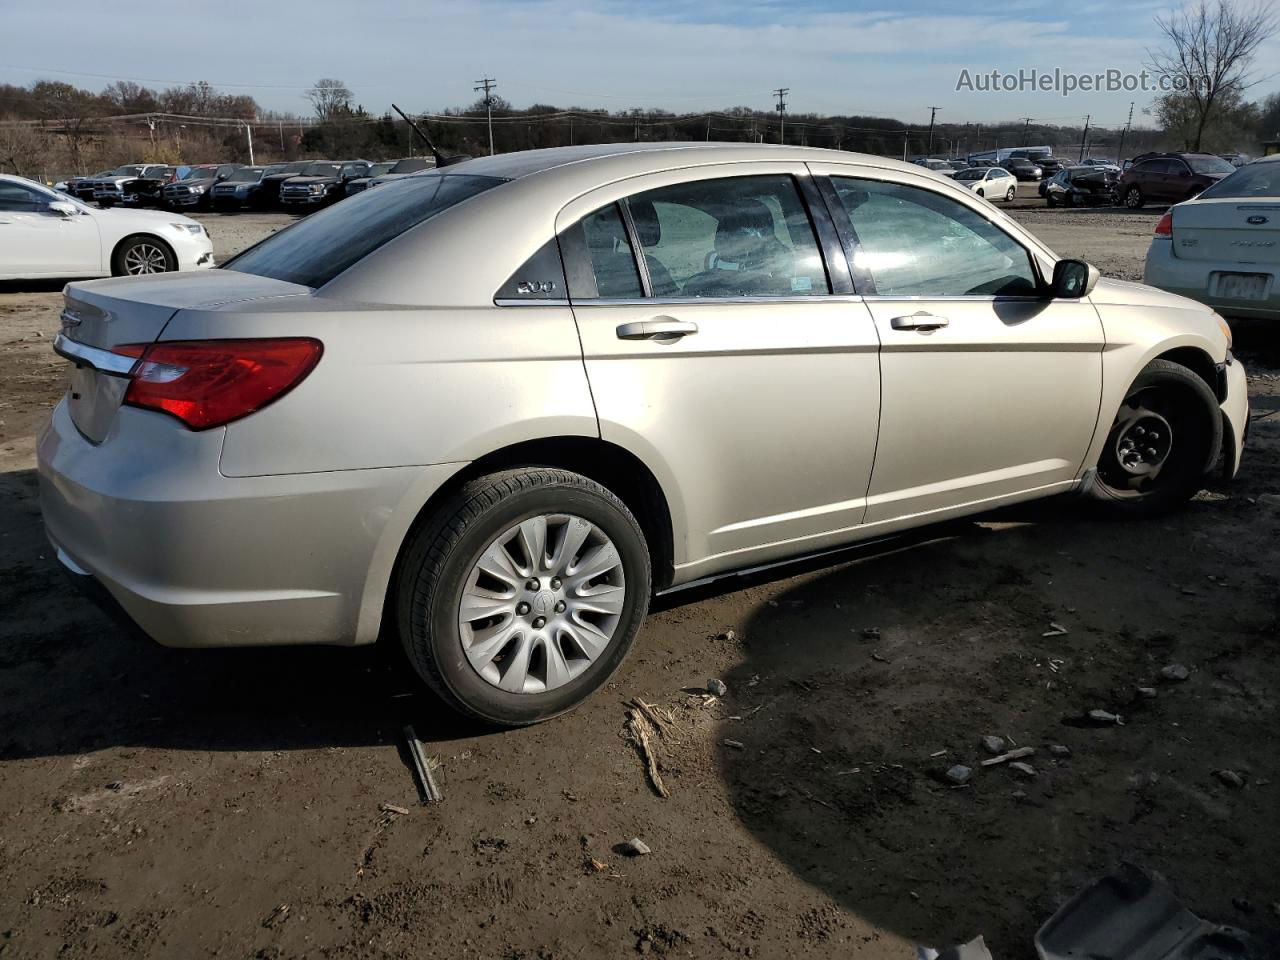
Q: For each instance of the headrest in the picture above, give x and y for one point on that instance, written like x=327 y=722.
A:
x=744 y=231
x=645 y=217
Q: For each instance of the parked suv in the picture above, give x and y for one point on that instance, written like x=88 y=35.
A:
x=1023 y=169
x=243 y=188
x=109 y=190
x=1170 y=177
x=489 y=411
x=269 y=188
x=193 y=190
x=323 y=182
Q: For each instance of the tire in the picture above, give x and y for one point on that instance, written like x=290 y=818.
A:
x=1050 y=200
x=980 y=193
x=141 y=255
x=1133 y=198
x=441 y=569
x=1008 y=197
x=1175 y=411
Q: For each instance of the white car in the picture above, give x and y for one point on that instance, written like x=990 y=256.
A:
x=47 y=234
x=1223 y=247
x=993 y=183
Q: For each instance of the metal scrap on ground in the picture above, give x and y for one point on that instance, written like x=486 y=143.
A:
x=427 y=786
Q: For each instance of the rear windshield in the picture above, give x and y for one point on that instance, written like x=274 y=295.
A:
x=1253 y=180
x=315 y=250
x=1209 y=165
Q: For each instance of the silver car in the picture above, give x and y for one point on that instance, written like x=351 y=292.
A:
x=492 y=409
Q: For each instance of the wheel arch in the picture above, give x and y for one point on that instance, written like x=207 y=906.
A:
x=609 y=464
x=1195 y=359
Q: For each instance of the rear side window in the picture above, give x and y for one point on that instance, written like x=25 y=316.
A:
x=612 y=261
x=1261 y=180
x=315 y=250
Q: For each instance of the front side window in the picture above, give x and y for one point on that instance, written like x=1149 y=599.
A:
x=15 y=198
x=917 y=243
x=315 y=250
x=736 y=237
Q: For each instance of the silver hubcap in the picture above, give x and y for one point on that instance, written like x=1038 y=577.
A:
x=542 y=603
x=145 y=258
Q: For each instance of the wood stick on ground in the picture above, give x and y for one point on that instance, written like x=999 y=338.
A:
x=665 y=726
x=639 y=729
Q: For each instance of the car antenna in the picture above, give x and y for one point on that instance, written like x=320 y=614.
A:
x=441 y=159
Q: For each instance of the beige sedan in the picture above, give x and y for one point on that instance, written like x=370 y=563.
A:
x=492 y=409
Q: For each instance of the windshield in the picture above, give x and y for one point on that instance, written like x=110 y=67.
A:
x=245 y=175
x=130 y=170
x=321 y=170
x=1209 y=165
x=1251 y=180
x=378 y=169
x=315 y=250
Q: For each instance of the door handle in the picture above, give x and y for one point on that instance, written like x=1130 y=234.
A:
x=920 y=320
x=659 y=328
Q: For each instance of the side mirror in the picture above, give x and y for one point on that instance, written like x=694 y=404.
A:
x=62 y=208
x=1073 y=279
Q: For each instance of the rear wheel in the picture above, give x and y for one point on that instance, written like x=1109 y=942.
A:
x=523 y=594
x=1133 y=198
x=1164 y=439
x=142 y=255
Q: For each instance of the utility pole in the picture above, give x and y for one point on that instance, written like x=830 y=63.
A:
x=933 y=112
x=708 y=128
x=1123 y=133
x=487 y=85
x=780 y=93
x=248 y=132
x=905 y=137
x=1025 y=127
x=1084 y=138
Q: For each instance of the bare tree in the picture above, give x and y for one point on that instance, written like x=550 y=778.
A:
x=330 y=98
x=1209 y=55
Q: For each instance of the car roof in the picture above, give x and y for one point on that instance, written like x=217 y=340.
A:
x=1273 y=158
x=513 y=166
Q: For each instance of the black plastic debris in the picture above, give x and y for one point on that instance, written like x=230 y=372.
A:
x=1133 y=915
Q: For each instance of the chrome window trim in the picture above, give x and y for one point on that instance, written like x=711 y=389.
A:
x=531 y=302
x=101 y=360
x=689 y=301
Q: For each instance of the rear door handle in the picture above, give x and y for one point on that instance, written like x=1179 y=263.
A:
x=921 y=320
x=659 y=328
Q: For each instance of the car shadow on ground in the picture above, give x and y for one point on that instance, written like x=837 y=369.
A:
x=861 y=687
x=72 y=680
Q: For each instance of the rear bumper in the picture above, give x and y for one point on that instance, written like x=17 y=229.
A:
x=196 y=559
x=1192 y=279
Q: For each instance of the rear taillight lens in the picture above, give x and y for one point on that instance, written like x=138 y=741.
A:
x=206 y=383
x=1164 y=226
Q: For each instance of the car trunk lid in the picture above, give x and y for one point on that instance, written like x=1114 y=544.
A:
x=1227 y=229
x=101 y=316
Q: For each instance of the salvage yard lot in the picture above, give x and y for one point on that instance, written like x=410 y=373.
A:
x=162 y=803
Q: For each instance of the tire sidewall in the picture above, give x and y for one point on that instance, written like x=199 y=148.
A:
x=1168 y=375
x=442 y=601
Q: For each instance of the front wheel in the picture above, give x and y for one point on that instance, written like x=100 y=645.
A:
x=1164 y=439
x=1133 y=198
x=522 y=594
x=1008 y=197
x=142 y=255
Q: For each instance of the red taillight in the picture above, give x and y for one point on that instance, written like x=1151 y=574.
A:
x=1164 y=226
x=206 y=383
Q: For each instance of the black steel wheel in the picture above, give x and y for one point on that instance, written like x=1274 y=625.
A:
x=1165 y=437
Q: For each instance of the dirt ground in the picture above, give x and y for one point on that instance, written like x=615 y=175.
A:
x=162 y=803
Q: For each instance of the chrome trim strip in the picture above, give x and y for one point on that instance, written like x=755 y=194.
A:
x=692 y=301
x=516 y=302
x=101 y=360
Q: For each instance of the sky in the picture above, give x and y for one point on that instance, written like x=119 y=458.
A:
x=875 y=58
